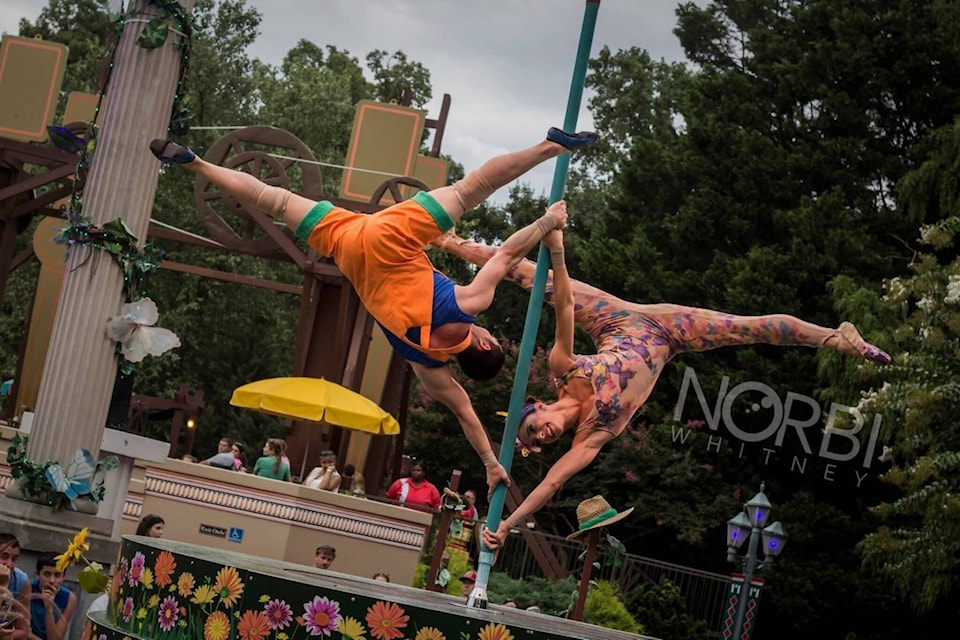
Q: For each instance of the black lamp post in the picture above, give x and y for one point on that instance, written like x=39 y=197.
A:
x=752 y=523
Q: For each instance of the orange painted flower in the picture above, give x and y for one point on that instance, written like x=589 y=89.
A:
x=253 y=625
x=217 y=626
x=386 y=619
x=228 y=586
x=495 y=632
x=185 y=584
x=163 y=569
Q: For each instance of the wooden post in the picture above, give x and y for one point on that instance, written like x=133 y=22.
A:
x=592 y=543
x=442 y=532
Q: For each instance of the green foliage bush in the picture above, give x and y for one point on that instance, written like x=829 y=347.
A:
x=605 y=608
x=663 y=611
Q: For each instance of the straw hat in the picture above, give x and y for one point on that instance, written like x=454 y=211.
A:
x=596 y=512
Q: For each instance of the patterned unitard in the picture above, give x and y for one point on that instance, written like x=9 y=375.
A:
x=635 y=341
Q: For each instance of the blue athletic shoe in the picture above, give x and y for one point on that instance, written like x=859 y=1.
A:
x=571 y=141
x=171 y=153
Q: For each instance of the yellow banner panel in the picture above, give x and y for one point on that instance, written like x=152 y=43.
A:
x=384 y=143
x=31 y=72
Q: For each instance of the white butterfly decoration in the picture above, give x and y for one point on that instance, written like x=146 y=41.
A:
x=136 y=334
x=77 y=480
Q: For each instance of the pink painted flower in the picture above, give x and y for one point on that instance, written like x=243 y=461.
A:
x=279 y=614
x=122 y=571
x=169 y=613
x=136 y=569
x=127 y=610
x=321 y=616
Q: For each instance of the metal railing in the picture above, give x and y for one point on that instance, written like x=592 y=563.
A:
x=705 y=593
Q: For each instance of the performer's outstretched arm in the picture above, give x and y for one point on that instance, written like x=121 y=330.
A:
x=561 y=355
x=442 y=386
x=478 y=295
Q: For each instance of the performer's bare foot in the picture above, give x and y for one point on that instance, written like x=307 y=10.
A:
x=848 y=340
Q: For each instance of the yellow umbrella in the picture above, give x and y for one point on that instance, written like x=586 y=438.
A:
x=315 y=400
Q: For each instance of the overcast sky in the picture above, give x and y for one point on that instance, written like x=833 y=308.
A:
x=507 y=64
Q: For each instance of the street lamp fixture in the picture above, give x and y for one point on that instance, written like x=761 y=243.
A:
x=774 y=539
x=758 y=509
x=751 y=524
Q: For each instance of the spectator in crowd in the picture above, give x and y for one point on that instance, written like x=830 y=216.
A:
x=467 y=581
x=510 y=604
x=271 y=464
x=324 y=556
x=415 y=490
x=325 y=477
x=470 y=511
x=380 y=576
x=14 y=614
x=356 y=486
x=19 y=582
x=189 y=458
x=239 y=453
x=224 y=456
x=53 y=604
x=151 y=525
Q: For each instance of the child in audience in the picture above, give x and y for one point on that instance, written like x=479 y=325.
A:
x=52 y=604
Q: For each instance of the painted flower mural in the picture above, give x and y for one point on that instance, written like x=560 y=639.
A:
x=165 y=595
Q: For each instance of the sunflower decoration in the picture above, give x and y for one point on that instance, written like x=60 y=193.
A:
x=92 y=577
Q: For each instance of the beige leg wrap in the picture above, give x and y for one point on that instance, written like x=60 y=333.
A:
x=272 y=200
x=473 y=190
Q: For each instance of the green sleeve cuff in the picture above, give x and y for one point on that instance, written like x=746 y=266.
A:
x=313 y=218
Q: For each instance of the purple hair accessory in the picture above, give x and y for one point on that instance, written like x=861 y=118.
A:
x=524 y=448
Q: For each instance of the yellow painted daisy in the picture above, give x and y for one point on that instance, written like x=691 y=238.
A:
x=147 y=579
x=351 y=629
x=153 y=601
x=228 y=586
x=203 y=594
x=430 y=633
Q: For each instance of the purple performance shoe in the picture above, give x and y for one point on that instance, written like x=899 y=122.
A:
x=169 y=152
x=571 y=141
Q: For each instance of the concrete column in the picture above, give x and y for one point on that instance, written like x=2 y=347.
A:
x=80 y=365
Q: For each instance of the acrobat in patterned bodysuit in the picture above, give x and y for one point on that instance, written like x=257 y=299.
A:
x=635 y=341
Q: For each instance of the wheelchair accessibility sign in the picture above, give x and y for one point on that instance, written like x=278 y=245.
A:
x=236 y=535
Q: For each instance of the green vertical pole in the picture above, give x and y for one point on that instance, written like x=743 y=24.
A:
x=478 y=597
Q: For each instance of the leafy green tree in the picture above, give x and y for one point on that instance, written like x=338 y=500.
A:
x=916 y=547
